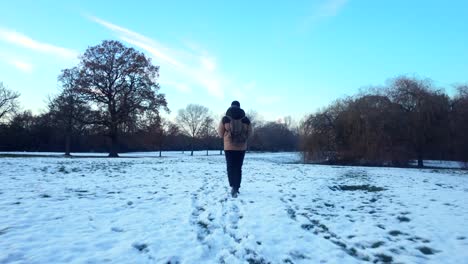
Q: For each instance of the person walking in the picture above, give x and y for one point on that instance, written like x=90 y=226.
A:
x=235 y=129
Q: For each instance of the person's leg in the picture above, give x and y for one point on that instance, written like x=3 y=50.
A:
x=230 y=165
x=239 y=160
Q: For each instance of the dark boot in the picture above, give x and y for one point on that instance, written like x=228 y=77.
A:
x=234 y=192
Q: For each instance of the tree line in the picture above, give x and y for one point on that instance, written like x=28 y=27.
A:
x=111 y=101
x=409 y=119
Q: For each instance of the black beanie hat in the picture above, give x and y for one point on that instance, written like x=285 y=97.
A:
x=235 y=103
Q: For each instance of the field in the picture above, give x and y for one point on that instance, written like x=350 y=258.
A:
x=176 y=209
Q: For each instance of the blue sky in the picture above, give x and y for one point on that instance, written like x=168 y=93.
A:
x=278 y=58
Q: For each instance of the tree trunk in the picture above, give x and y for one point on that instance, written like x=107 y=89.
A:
x=160 y=149
x=420 y=151
x=191 y=147
x=67 y=144
x=221 y=152
x=207 y=152
x=113 y=153
x=420 y=160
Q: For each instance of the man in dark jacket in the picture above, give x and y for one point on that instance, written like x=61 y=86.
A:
x=234 y=148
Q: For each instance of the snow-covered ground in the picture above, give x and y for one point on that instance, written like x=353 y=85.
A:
x=176 y=209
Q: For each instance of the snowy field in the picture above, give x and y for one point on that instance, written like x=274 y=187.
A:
x=176 y=209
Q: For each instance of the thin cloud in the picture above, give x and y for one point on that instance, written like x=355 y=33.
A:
x=332 y=7
x=181 y=87
x=24 y=41
x=22 y=65
x=198 y=69
x=326 y=9
x=16 y=62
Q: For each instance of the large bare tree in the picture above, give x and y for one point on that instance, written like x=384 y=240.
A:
x=8 y=101
x=191 y=121
x=119 y=83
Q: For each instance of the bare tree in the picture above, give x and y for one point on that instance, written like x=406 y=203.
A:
x=8 y=101
x=208 y=132
x=459 y=124
x=462 y=91
x=159 y=129
x=426 y=108
x=191 y=120
x=119 y=83
x=256 y=120
x=67 y=108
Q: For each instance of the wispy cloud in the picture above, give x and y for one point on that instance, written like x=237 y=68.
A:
x=22 y=65
x=199 y=69
x=181 y=87
x=24 y=41
x=324 y=10
x=17 y=62
x=332 y=7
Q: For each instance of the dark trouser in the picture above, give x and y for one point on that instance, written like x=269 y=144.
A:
x=234 y=161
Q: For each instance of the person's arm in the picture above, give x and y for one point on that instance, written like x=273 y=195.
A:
x=221 y=129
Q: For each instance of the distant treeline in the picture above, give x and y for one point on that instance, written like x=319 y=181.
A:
x=111 y=102
x=407 y=120
x=28 y=132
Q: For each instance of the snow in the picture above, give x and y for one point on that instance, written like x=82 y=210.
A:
x=442 y=164
x=176 y=209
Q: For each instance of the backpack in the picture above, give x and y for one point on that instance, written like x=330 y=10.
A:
x=238 y=132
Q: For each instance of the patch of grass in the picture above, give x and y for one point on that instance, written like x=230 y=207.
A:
x=291 y=213
x=427 y=250
x=377 y=244
x=4 y=230
x=297 y=255
x=257 y=261
x=381 y=226
x=366 y=187
x=403 y=219
x=254 y=258
x=395 y=233
x=202 y=224
x=140 y=246
x=384 y=258
x=117 y=229
x=62 y=169
x=44 y=196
